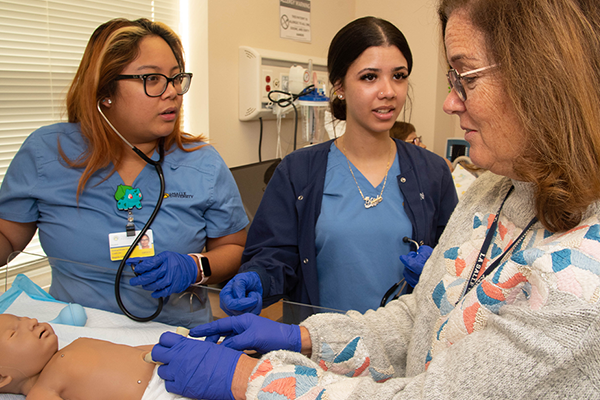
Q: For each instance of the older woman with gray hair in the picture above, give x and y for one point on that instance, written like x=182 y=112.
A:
x=508 y=305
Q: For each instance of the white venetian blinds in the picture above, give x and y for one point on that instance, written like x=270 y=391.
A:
x=41 y=43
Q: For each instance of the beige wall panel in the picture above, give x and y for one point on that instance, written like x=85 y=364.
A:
x=233 y=23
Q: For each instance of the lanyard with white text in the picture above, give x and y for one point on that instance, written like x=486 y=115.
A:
x=475 y=278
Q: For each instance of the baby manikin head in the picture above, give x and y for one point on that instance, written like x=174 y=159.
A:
x=26 y=346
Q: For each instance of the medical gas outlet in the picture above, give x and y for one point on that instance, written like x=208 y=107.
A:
x=262 y=71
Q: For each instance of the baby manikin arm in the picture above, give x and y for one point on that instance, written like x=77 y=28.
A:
x=180 y=331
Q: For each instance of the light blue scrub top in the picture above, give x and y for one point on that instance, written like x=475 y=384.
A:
x=201 y=200
x=358 y=249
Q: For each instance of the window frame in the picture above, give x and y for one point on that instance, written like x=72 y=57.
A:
x=41 y=44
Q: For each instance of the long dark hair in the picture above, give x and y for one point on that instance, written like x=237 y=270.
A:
x=351 y=41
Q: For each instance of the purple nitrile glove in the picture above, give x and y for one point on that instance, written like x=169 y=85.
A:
x=165 y=273
x=414 y=262
x=242 y=294
x=195 y=368
x=251 y=332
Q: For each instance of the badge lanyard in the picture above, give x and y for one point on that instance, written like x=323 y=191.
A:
x=473 y=279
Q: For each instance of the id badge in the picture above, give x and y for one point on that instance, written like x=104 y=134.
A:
x=119 y=243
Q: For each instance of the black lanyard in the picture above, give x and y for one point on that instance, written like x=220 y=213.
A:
x=473 y=279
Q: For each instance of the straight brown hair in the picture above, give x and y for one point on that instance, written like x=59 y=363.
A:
x=548 y=52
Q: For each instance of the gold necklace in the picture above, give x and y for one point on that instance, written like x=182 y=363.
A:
x=369 y=201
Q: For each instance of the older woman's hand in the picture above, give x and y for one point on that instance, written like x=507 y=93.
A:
x=251 y=332
x=195 y=368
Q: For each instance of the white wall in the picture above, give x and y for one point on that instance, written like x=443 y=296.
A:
x=194 y=33
x=213 y=99
x=233 y=23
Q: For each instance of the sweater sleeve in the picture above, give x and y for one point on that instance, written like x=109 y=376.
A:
x=530 y=330
x=543 y=363
x=352 y=354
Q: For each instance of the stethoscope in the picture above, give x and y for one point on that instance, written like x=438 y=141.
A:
x=401 y=282
x=161 y=177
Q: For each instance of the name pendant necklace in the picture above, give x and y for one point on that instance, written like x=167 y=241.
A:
x=370 y=201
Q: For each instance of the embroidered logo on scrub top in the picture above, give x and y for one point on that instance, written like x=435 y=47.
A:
x=128 y=198
x=179 y=195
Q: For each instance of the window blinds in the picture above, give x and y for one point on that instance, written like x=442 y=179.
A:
x=41 y=44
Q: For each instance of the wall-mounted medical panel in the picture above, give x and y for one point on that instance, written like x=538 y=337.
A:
x=262 y=71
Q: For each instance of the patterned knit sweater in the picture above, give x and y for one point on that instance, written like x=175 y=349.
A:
x=531 y=329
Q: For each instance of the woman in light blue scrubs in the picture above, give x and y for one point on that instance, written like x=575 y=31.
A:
x=330 y=228
x=84 y=188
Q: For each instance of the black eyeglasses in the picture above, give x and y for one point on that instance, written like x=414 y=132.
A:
x=156 y=84
x=455 y=80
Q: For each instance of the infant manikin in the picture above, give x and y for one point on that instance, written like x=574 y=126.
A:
x=31 y=364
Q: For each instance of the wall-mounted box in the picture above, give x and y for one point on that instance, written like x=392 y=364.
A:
x=261 y=71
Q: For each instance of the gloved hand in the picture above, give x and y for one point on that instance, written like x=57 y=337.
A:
x=414 y=262
x=251 y=332
x=242 y=294
x=194 y=368
x=165 y=273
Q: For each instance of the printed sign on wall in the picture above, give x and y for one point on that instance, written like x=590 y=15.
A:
x=294 y=20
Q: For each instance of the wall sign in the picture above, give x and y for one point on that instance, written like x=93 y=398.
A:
x=294 y=20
